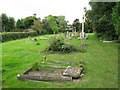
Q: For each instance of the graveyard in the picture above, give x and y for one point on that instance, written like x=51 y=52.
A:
x=80 y=51
x=100 y=63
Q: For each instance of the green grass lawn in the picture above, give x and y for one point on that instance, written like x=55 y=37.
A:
x=101 y=63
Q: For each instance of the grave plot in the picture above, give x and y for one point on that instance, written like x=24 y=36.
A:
x=33 y=40
x=43 y=38
x=47 y=71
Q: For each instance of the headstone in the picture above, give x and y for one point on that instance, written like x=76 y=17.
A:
x=72 y=34
x=73 y=72
x=68 y=38
x=29 y=38
x=35 y=39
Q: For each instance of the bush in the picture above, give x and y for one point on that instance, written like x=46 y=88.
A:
x=57 y=44
x=8 y=36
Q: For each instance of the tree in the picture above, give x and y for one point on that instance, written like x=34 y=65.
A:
x=46 y=28
x=20 y=24
x=37 y=26
x=102 y=19
x=4 y=22
x=116 y=18
x=61 y=23
x=88 y=22
x=52 y=23
x=10 y=24
x=28 y=21
x=76 y=25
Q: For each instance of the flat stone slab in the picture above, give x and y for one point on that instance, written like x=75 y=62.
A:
x=107 y=41
x=43 y=38
x=29 y=41
x=54 y=66
x=62 y=62
x=44 y=74
x=73 y=72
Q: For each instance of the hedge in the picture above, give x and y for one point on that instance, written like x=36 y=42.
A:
x=8 y=36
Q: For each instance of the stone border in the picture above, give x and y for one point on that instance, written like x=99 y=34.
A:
x=27 y=77
x=62 y=62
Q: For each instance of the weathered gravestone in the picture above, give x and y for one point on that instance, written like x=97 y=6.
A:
x=73 y=72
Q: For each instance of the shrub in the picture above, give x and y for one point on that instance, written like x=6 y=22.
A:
x=37 y=43
x=8 y=36
x=35 y=66
x=57 y=44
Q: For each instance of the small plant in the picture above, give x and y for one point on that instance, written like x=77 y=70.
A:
x=35 y=66
x=43 y=59
x=37 y=43
x=81 y=63
x=57 y=44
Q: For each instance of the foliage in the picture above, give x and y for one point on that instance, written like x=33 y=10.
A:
x=8 y=36
x=18 y=30
x=88 y=22
x=4 y=22
x=116 y=18
x=28 y=21
x=20 y=24
x=52 y=23
x=35 y=66
x=101 y=19
x=37 y=26
x=57 y=44
x=11 y=24
x=46 y=28
x=61 y=23
x=77 y=25
x=8 y=23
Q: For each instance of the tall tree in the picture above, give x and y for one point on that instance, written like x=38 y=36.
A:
x=88 y=22
x=10 y=24
x=102 y=19
x=46 y=28
x=37 y=26
x=116 y=18
x=61 y=23
x=4 y=22
x=28 y=21
x=76 y=25
x=52 y=23
x=20 y=24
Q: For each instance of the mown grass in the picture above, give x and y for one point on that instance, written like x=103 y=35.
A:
x=101 y=63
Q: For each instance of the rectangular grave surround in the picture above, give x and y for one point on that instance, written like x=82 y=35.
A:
x=47 y=74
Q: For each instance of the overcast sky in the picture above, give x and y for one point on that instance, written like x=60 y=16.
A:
x=71 y=9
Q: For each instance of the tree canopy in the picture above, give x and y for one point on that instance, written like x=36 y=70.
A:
x=100 y=17
x=37 y=26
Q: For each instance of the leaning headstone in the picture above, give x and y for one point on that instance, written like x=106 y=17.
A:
x=72 y=34
x=29 y=38
x=73 y=72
